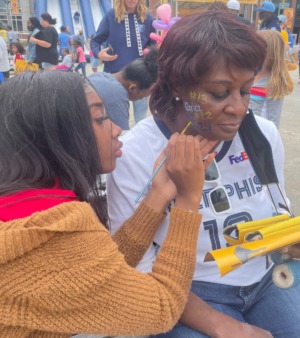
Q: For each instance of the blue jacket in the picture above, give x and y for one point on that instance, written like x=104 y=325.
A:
x=112 y=32
x=272 y=23
x=30 y=52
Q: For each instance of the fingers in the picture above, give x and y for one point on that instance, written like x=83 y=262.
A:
x=207 y=146
x=293 y=251
x=209 y=159
x=106 y=57
x=191 y=148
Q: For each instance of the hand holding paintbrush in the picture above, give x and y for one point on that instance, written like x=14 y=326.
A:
x=179 y=171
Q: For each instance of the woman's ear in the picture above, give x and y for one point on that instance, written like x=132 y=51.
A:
x=176 y=94
x=132 y=88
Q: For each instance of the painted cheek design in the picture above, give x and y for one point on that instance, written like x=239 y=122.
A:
x=199 y=97
x=198 y=117
x=194 y=112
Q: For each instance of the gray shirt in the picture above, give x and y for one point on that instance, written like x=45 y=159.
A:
x=268 y=108
x=12 y=36
x=114 y=96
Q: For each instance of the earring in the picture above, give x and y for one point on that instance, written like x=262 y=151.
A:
x=177 y=98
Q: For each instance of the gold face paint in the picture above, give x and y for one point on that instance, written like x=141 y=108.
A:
x=199 y=97
x=194 y=112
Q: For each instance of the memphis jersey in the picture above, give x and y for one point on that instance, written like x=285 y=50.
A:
x=249 y=200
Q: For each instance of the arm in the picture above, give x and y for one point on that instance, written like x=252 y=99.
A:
x=41 y=43
x=100 y=36
x=202 y=317
x=46 y=38
x=82 y=285
x=133 y=241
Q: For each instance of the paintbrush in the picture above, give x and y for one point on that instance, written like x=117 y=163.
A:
x=158 y=168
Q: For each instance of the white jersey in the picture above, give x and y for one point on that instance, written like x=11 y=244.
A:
x=249 y=200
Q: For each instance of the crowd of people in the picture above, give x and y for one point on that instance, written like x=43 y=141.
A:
x=81 y=252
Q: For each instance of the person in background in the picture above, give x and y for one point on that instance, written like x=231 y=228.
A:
x=133 y=82
x=34 y=26
x=207 y=64
x=18 y=50
x=63 y=40
x=4 y=62
x=71 y=40
x=273 y=82
x=80 y=37
x=284 y=28
x=76 y=17
x=61 y=270
x=46 y=42
x=80 y=58
x=126 y=28
x=3 y=33
x=12 y=36
x=67 y=60
x=234 y=7
x=268 y=17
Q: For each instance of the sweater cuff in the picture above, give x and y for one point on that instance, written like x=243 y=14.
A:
x=147 y=220
x=181 y=219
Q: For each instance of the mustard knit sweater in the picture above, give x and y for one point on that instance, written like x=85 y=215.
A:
x=62 y=273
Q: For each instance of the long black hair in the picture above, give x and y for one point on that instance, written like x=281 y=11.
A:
x=47 y=17
x=35 y=22
x=46 y=135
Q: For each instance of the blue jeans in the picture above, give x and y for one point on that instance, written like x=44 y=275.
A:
x=140 y=108
x=46 y=65
x=81 y=66
x=261 y=304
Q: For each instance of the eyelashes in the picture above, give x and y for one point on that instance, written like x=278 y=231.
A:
x=101 y=119
x=222 y=96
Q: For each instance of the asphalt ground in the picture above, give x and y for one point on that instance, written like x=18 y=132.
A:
x=290 y=132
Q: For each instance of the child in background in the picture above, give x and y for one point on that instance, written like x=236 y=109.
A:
x=80 y=57
x=18 y=50
x=67 y=61
x=273 y=82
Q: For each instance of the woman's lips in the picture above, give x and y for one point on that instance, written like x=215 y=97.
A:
x=119 y=151
x=230 y=127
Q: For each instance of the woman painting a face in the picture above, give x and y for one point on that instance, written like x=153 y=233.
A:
x=56 y=254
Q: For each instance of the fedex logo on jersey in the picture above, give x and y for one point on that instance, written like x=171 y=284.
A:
x=237 y=159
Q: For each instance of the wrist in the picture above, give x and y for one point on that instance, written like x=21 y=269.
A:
x=187 y=202
x=156 y=201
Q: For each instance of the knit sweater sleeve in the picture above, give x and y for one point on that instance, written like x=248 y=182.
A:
x=79 y=282
x=136 y=234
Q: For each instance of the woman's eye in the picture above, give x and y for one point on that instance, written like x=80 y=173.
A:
x=245 y=92
x=101 y=119
x=220 y=96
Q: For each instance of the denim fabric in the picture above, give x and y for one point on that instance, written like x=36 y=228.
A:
x=140 y=108
x=81 y=66
x=30 y=53
x=47 y=65
x=261 y=304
